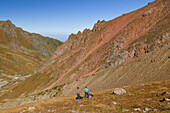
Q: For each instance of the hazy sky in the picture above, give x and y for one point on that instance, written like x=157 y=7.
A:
x=59 y=18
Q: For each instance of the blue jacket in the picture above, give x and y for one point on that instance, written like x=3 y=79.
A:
x=86 y=90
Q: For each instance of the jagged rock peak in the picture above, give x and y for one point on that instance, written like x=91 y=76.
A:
x=72 y=35
x=98 y=25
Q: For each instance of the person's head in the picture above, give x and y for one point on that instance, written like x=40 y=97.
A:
x=77 y=87
x=86 y=87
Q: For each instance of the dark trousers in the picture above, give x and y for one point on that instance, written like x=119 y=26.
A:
x=78 y=96
x=86 y=94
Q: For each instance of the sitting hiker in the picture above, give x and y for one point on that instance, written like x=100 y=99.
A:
x=90 y=95
x=78 y=94
x=86 y=92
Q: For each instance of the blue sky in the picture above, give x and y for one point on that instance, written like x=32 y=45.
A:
x=59 y=18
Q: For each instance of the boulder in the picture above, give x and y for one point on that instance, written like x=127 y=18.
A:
x=119 y=91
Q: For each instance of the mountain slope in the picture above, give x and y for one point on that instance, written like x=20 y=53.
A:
x=22 y=52
x=153 y=66
x=108 y=44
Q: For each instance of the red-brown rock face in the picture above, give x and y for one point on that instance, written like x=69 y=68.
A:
x=109 y=43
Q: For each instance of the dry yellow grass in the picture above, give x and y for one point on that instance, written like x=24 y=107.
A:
x=144 y=96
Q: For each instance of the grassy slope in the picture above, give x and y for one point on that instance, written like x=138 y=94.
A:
x=16 y=62
x=22 y=52
x=138 y=96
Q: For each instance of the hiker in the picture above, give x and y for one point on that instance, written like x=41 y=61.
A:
x=86 y=92
x=78 y=94
x=90 y=95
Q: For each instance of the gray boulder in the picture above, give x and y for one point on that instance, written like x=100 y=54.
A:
x=119 y=91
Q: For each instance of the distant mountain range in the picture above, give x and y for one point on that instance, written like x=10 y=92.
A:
x=60 y=36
